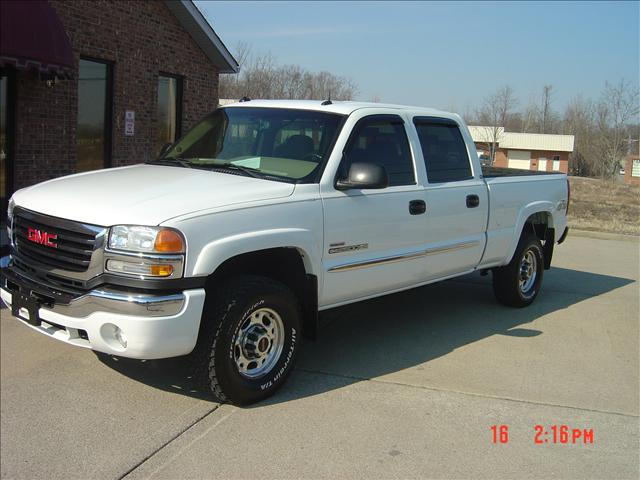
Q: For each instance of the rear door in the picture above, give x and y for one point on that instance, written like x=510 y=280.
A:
x=457 y=201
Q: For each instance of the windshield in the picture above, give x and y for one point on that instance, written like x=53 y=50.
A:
x=272 y=143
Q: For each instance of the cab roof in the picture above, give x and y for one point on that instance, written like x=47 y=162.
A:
x=337 y=106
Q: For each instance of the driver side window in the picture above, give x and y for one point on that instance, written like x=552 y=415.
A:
x=381 y=139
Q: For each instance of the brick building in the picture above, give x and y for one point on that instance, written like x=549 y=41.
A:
x=94 y=84
x=632 y=169
x=528 y=151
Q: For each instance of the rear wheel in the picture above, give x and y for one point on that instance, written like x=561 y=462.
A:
x=248 y=341
x=518 y=283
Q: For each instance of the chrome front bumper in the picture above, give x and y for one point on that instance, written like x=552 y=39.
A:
x=100 y=299
x=125 y=303
x=155 y=326
x=129 y=323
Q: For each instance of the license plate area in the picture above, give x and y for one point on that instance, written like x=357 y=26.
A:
x=21 y=302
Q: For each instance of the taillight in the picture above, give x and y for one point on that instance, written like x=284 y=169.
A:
x=568 y=196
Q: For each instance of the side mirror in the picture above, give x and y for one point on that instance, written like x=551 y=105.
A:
x=165 y=148
x=364 y=176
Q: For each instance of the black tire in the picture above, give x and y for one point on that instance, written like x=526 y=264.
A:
x=229 y=319
x=507 y=285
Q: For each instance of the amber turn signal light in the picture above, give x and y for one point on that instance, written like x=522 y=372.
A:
x=169 y=241
x=161 y=270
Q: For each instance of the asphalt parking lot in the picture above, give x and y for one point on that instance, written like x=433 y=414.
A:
x=403 y=386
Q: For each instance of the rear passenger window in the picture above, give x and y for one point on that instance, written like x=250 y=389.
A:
x=444 y=151
x=381 y=139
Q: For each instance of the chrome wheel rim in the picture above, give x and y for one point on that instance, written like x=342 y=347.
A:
x=528 y=273
x=258 y=343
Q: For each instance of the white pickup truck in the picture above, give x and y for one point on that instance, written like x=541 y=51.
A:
x=265 y=213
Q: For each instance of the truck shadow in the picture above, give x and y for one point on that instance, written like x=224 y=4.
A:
x=392 y=333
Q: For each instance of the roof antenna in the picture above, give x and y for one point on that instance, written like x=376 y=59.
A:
x=327 y=101
x=245 y=99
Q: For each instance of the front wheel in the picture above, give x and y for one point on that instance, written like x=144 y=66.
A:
x=518 y=283
x=248 y=341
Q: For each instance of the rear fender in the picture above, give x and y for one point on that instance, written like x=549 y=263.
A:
x=525 y=213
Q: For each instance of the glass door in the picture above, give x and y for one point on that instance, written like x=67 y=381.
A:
x=6 y=153
x=94 y=115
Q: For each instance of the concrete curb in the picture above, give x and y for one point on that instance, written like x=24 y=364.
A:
x=603 y=235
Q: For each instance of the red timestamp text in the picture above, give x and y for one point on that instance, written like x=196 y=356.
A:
x=554 y=434
x=563 y=434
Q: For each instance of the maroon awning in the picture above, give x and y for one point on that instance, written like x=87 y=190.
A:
x=32 y=37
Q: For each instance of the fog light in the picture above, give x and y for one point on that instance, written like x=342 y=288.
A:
x=120 y=266
x=113 y=336
x=118 y=334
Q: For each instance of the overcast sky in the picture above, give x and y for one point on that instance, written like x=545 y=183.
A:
x=446 y=55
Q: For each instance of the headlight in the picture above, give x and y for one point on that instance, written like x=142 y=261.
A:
x=145 y=252
x=133 y=238
x=12 y=204
x=10 y=208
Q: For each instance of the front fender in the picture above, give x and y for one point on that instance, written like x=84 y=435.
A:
x=213 y=254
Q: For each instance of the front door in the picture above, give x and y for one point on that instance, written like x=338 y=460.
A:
x=374 y=239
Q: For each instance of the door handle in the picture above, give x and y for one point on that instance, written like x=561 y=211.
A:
x=473 y=201
x=417 y=207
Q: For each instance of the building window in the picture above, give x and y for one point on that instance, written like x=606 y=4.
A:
x=169 y=110
x=94 y=115
x=635 y=168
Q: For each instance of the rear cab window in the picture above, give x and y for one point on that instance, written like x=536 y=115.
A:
x=444 y=150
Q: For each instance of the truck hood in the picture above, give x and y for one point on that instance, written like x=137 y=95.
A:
x=144 y=194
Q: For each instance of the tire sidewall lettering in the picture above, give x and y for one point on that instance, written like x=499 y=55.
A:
x=282 y=370
x=273 y=378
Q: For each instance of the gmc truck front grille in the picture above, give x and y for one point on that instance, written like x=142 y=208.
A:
x=53 y=242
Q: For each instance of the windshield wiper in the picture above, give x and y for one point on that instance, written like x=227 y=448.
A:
x=183 y=162
x=252 y=172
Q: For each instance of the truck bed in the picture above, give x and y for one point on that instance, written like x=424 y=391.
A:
x=495 y=172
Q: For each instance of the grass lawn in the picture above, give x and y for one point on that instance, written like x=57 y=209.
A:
x=604 y=206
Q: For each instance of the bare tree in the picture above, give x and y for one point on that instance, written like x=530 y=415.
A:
x=494 y=114
x=605 y=131
x=468 y=115
x=530 y=116
x=545 y=110
x=579 y=120
x=261 y=77
x=618 y=107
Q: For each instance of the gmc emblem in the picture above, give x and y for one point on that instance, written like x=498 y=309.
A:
x=42 y=238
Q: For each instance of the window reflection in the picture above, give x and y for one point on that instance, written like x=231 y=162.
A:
x=169 y=92
x=93 y=82
x=4 y=81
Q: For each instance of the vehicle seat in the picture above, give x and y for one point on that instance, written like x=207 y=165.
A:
x=296 y=147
